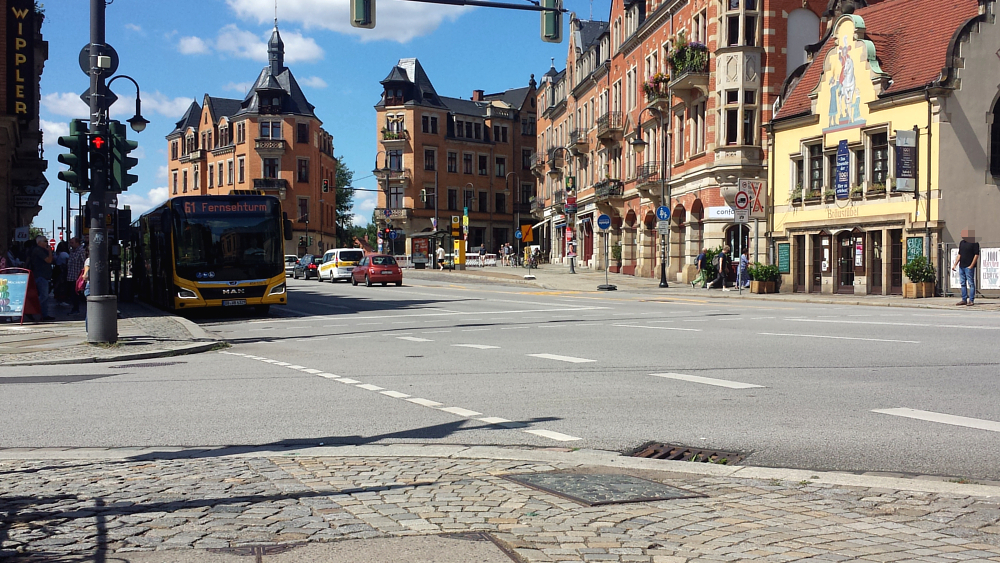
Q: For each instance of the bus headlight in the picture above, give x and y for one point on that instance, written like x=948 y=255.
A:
x=185 y=293
x=277 y=290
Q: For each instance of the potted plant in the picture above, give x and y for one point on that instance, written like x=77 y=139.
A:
x=856 y=192
x=763 y=278
x=687 y=57
x=656 y=86
x=921 y=275
x=829 y=195
x=616 y=257
x=876 y=188
x=797 y=193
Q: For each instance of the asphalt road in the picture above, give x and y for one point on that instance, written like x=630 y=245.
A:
x=794 y=385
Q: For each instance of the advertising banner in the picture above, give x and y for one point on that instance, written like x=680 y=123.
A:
x=420 y=248
x=842 y=184
x=989 y=268
x=953 y=279
x=13 y=290
x=906 y=161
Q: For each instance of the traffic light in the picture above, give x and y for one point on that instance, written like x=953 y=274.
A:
x=76 y=158
x=326 y=185
x=98 y=149
x=552 y=21
x=363 y=13
x=121 y=162
x=423 y=195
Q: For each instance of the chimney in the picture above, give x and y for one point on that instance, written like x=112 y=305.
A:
x=477 y=95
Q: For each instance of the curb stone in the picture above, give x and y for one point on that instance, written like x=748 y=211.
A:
x=195 y=348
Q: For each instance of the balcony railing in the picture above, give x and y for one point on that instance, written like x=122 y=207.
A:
x=578 y=141
x=197 y=154
x=402 y=213
x=559 y=197
x=609 y=189
x=648 y=173
x=269 y=145
x=271 y=184
x=609 y=125
x=390 y=138
x=401 y=175
x=537 y=206
x=537 y=160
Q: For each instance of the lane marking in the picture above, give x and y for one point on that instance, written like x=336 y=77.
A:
x=414 y=339
x=282 y=364
x=556 y=357
x=370 y=387
x=296 y=367
x=435 y=331
x=460 y=411
x=887 y=323
x=553 y=435
x=348 y=380
x=514 y=327
x=395 y=394
x=840 y=337
x=493 y=420
x=943 y=418
x=661 y=328
x=312 y=371
x=707 y=380
x=424 y=402
x=476 y=346
x=356 y=336
x=474 y=329
x=328 y=375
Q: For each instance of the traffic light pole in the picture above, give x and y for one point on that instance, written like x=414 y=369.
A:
x=102 y=306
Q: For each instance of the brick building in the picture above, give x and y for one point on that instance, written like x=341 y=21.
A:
x=711 y=71
x=23 y=56
x=271 y=143
x=439 y=155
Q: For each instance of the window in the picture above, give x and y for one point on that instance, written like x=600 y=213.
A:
x=434 y=125
x=271 y=167
x=452 y=200
x=733 y=30
x=270 y=129
x=478 y=131
x=798 y=171
x=467 y=163
x=241 y=169
x=679 y=136
x=744 y=13
x=429 y=159
x=459 y=128
x=224 y=138
x=732 y=117
x=527 y=192
x=229 y=172
x=831 y=171
x=211 y=175
x=302 y=133
x=303 y=170
x=484 y=202
x=699 y=27
x=483 y=165
x=429 y=197
x=468 y=198
x=698 y=135
x=396 y=160
x=396 y=197
x=749 y=117
x=880 y=158
x=220 y=175
x=241 y=132
x=468 y=129
x=173 y=150
x=425 y=124
x=452 y=162
x=184 y=184
x=859 y=167
x=501 y=166
x=175 y=182
x=995 y=142
x=496 y=133
x=303 y=209
x=501 y=203
x=526 y=159
x=815 y=170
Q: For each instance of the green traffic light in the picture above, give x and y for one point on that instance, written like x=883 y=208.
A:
x=121 y=162
x=77 y=157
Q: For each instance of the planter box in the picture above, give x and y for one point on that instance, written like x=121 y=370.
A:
x=918 y=290
x=761 y=287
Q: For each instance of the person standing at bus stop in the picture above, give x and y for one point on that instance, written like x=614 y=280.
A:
x=40 y=264
x=966 y=262
x=74 y=265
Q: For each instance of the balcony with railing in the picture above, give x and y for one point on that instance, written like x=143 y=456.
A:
x=579 y=142
x=559 y=198
x=609 y=190
x=392 y=175
x=610 y=127
x=647 y=179
x=270 y=147
x=194 y=155
x=402 y=213
x=538 y=207
x=537 y=163
x=395 y=138
x=689 y=63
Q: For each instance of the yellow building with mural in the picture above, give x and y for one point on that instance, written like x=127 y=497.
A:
x=855 y=149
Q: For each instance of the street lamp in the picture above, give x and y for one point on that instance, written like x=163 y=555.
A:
x=380 y=173
x=516 y=217
x=570 y=217
x=137 y=121
x=638 y=144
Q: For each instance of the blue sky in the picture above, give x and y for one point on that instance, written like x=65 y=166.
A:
x=179 y=51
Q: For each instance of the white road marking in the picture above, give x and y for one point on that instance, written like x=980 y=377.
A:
x=661 y=328
x=552 y=435
x=325 y=326
x=282 y=364
x=840 y=337
x=348 y=381
x=435 y=331
x=312 y=371
x=562 y=358
x=414 y=339
x=439 y=313
x=424 y=402
x=493 y=420
x=296 y=367
x=395 y=394
x=943 y=418
x=707 y=380
x=370 y=387
x=886 y=323
x=474 y=329
x=514 y=327
x=761 y=318
x=356 y=336
x=328 y=375
x=460 y=411
x=476 y=346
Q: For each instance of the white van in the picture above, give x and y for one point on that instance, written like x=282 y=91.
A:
x=338 y=263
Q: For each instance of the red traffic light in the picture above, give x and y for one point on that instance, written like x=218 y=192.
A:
x=98 y=142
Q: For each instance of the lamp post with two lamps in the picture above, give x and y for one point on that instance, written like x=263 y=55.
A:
x=638 y=144
x=570 y=212
x=515 y=216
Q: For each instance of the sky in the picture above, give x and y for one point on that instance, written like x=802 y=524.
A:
x=181 y=50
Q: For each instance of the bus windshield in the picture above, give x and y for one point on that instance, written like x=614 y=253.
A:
x=237 y=240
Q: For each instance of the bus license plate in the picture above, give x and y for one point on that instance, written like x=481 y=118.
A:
x=230 y=302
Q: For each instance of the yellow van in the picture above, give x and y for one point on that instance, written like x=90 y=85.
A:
x=338 y=263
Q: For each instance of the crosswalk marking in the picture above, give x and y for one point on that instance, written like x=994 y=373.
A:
x=943 y=418
x=424 y=402
x=559 y=358
x=558 y=436
x=707 y=380
x=460 y=411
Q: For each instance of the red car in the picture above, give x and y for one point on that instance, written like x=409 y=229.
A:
x=377 y=268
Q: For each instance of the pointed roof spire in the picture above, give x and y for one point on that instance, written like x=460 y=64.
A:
x=275 y=46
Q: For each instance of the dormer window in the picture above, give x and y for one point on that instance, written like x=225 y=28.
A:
x=394 y=97
x=270 y=104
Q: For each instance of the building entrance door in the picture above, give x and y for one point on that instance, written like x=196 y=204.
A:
x=845 y=263
x=818 y=261
x=876 y=269
x=800 y=263
x=896 y=265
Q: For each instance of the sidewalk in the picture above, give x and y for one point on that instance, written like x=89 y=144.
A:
x=556 y=277
x=143 y=332
x=423 y=503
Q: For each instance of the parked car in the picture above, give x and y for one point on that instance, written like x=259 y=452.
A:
x=338 y=263
x=307 y=267
x=290 y=261
x=377 y=268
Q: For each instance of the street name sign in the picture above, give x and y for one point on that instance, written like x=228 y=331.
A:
x=604 y=222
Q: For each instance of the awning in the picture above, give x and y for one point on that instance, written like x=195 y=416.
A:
x=536 y=225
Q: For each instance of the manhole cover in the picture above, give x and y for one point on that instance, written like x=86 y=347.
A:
x=687 y=453
x=601 y=488
x=148 y=365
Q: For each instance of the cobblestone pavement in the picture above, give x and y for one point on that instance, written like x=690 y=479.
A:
x=143 y=332
x=73 y=508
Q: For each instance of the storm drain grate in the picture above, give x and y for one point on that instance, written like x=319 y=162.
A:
x=147 y=365
x=596 y=489
x=687 y=453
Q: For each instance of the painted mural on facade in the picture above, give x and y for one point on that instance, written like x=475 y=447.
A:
x=846 y=71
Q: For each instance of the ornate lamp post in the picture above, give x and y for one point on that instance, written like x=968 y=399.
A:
x=638 y=144
x=570 y=214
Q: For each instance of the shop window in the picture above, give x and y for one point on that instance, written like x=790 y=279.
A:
x=880 y=158
x=859 y=167
x=815 y=170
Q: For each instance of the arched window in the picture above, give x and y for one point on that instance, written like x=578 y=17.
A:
x=995 y=141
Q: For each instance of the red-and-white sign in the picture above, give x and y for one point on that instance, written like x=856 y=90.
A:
x=742 y=200
x=756 y=191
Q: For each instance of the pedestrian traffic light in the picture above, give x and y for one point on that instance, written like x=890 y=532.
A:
x=98 y=150
x=76 y=158
x=326 y=185
x=121 y=162
x=552 y=21
x=363 y=13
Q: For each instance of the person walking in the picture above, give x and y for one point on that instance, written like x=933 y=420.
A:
x=59 y=260
x=74 y=265
x=966 y=262
x=440 y=257
x=40 y=264
x=700 y=263
x=482 y=255
x=742 y=279
x=721 y=263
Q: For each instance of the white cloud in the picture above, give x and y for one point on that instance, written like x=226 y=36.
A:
x=65 y=103
x=141 y=203
x=364 y=206
x=134 y=27
x=241 y=87
x=152 y=102
x=313 y=82
x=395 y=20
x=192 y=46
x=52 y=130
x=161 y=173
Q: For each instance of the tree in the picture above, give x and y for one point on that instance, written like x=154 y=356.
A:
x=345 y=204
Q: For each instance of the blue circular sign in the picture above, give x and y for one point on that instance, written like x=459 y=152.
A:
x=393 y=235
x=604 y=221
x=663 y=213
x=387 y=212
x=517 y=234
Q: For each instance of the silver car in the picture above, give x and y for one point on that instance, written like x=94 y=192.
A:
x=290 y=260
